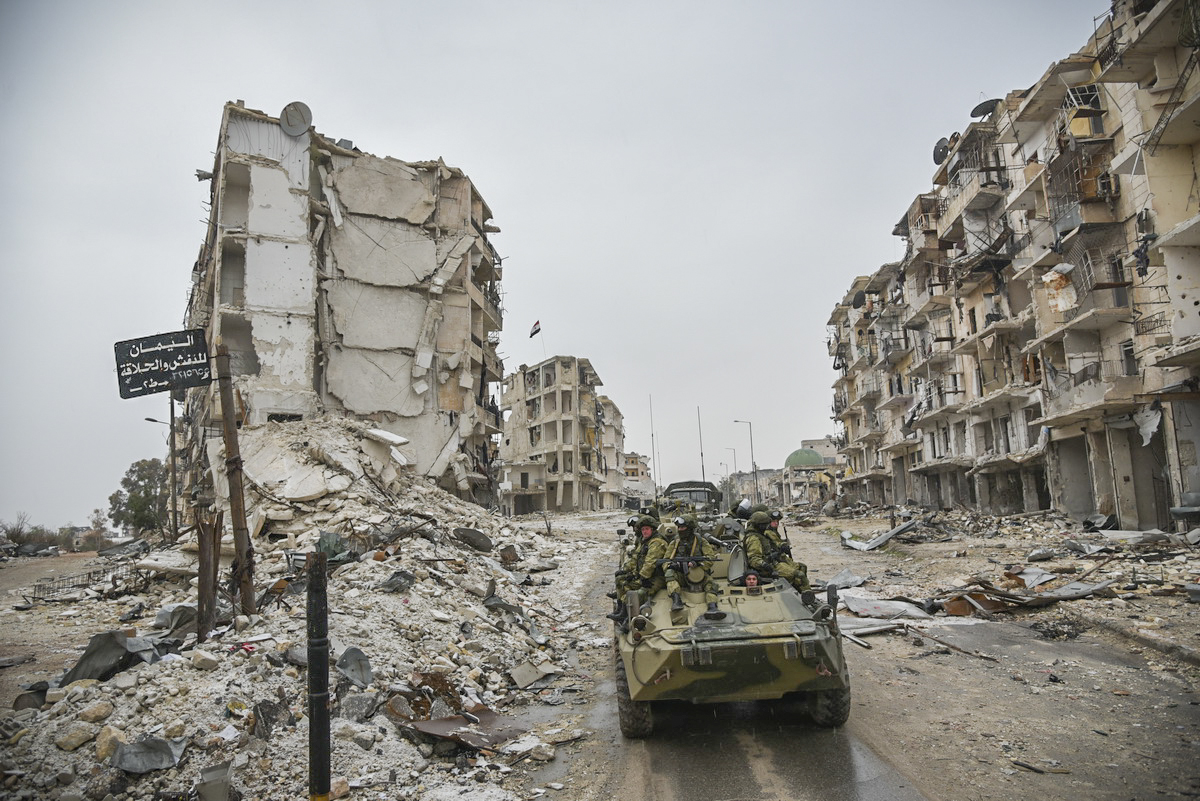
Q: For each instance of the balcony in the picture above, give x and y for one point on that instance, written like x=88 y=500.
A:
x=892 y=351
x=868 y=388
x=1128 y=54
x=1097 y=389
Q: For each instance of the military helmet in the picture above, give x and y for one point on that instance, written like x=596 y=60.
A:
x=776 y=515
x=760 y=507
x=760 y=519
x=691 y=521
x=647 y=520
x=632 y=522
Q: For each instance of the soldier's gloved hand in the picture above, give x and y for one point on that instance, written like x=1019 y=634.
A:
x=646 y=583
x=786 y=548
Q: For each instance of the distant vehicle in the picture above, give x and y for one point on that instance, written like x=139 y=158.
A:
x=771 y=642
x=703 y=496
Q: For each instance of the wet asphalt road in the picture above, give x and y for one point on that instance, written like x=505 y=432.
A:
x=751 y=752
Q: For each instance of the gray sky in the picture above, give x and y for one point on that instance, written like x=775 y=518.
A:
x=685 y=188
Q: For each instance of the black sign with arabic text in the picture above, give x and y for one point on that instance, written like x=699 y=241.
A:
x=162 y=362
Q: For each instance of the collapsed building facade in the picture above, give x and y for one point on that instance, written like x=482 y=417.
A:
x=1038 y=346
x=562 y=442
x=345 y=284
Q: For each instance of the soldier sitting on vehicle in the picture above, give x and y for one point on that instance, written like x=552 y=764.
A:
x=768 y=553
x=639 y=566
x=650 y=572
x=689 y=543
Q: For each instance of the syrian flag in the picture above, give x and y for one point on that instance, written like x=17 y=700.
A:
x=537 y=329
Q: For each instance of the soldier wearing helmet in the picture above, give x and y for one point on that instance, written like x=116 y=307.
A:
x=649 y=574
x=769 y=554
x=689 y=543
x=629 y=574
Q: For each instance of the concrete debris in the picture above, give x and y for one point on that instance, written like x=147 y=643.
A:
x=148 y=754
x=865 y=606
x=1060 y=553
x=449 y=630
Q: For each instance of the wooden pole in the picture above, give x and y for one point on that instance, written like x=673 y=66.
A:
x=208 y=536
x=243 y=561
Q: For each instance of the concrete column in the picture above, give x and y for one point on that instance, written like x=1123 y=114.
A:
x=1100 y=465
x=983 y=495
x=1124 y=487
x=1029 y=493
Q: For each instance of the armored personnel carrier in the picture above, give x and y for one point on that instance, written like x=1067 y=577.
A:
x=770 y=643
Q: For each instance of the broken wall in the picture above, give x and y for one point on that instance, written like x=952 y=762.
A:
x=266 y=268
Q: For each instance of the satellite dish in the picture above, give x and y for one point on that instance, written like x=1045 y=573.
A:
x=295 y=118
x=941 y=150
x=985 y=108
x=860 y=297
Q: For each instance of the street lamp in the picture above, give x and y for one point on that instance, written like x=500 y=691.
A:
x=734 y=458
x=171 y=445
x=753 y=464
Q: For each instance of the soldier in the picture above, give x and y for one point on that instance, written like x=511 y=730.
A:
x=629 y=576
x=768 y=554
x=688 y=543
x=650 y=569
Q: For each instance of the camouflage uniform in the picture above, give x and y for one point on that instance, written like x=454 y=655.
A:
x=629 y=576
x=688 y=544
x=649 y=573
x=767 y=553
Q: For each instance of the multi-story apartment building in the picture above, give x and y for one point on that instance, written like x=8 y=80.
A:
x=552 y=452
x=351 y=285
x=1034 y=347
x=639 y=481
x=612 y=443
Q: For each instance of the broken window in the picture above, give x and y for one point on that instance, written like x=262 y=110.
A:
x=233 y=273
x=1003 y=443
x=235 y=199
x=235 y=332
x=1129 y=364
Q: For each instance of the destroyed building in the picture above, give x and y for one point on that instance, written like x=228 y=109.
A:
x=809 y=474
x=1038 y=346
x=562 y=442
x=349 y=285
x=639 y=481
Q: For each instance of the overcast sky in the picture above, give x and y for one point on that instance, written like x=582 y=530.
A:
x=685 y=189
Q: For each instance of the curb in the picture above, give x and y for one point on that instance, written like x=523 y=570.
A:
x=1183 y=653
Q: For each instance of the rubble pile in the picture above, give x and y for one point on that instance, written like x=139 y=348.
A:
x=444 y=621
x=1143 y=582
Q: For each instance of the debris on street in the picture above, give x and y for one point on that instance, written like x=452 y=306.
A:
x=439 y=635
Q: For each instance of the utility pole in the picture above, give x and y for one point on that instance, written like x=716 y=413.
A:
x=753 y=463
x=174 y=486
x=243 y=568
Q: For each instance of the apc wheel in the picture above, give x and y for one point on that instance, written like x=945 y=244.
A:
x=829 y=708
x=635 y=717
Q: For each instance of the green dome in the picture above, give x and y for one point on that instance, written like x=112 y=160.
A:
x=805 y=457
